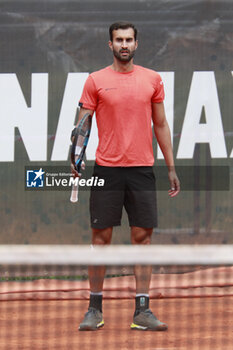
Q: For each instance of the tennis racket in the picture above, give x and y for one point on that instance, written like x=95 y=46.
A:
x=78 y=149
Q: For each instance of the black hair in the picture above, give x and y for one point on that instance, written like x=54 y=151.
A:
x=122 y=25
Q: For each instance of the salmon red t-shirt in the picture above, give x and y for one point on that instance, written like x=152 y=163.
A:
x=123 y=106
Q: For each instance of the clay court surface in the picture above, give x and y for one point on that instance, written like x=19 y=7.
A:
x=45 y=314
x=53 y=324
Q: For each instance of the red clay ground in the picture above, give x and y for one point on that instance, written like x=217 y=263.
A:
x=194 y=324
x=45 y=314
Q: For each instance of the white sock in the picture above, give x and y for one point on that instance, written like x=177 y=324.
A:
x=142 y=295
x=96 y=293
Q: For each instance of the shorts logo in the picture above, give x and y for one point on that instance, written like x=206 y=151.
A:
x=35 y=178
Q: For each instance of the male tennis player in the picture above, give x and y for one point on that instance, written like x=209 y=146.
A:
x=126 y=97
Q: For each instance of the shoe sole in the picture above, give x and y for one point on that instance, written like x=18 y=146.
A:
x=160 y=328
x=90 y=328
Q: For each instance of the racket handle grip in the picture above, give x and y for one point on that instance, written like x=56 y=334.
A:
x=74 y=194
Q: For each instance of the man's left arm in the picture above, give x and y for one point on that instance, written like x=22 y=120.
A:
x=163 y=136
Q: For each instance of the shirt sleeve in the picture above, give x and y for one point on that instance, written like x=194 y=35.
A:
x=89 y=95
x=159 y=94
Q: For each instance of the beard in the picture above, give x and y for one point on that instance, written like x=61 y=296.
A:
x=123 y=58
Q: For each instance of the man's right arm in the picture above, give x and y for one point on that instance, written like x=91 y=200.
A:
x=82 y=112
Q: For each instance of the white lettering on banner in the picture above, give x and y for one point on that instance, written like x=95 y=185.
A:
x=203 y=94
x=168 y=81
x=72 y=94
x=31 y=121
x=231 y=155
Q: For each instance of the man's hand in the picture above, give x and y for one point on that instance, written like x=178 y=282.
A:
x=74 y=171
x=174 y=183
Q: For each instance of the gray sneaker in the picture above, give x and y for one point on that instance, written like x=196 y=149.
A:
x=92 y=321
x=146 y=320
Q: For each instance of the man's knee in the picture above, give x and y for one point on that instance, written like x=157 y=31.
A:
x=141 y=235
x=102 y=236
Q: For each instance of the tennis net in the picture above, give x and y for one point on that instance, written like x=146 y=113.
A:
x=44 y=294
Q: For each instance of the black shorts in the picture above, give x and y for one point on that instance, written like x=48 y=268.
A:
x=129 y=187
